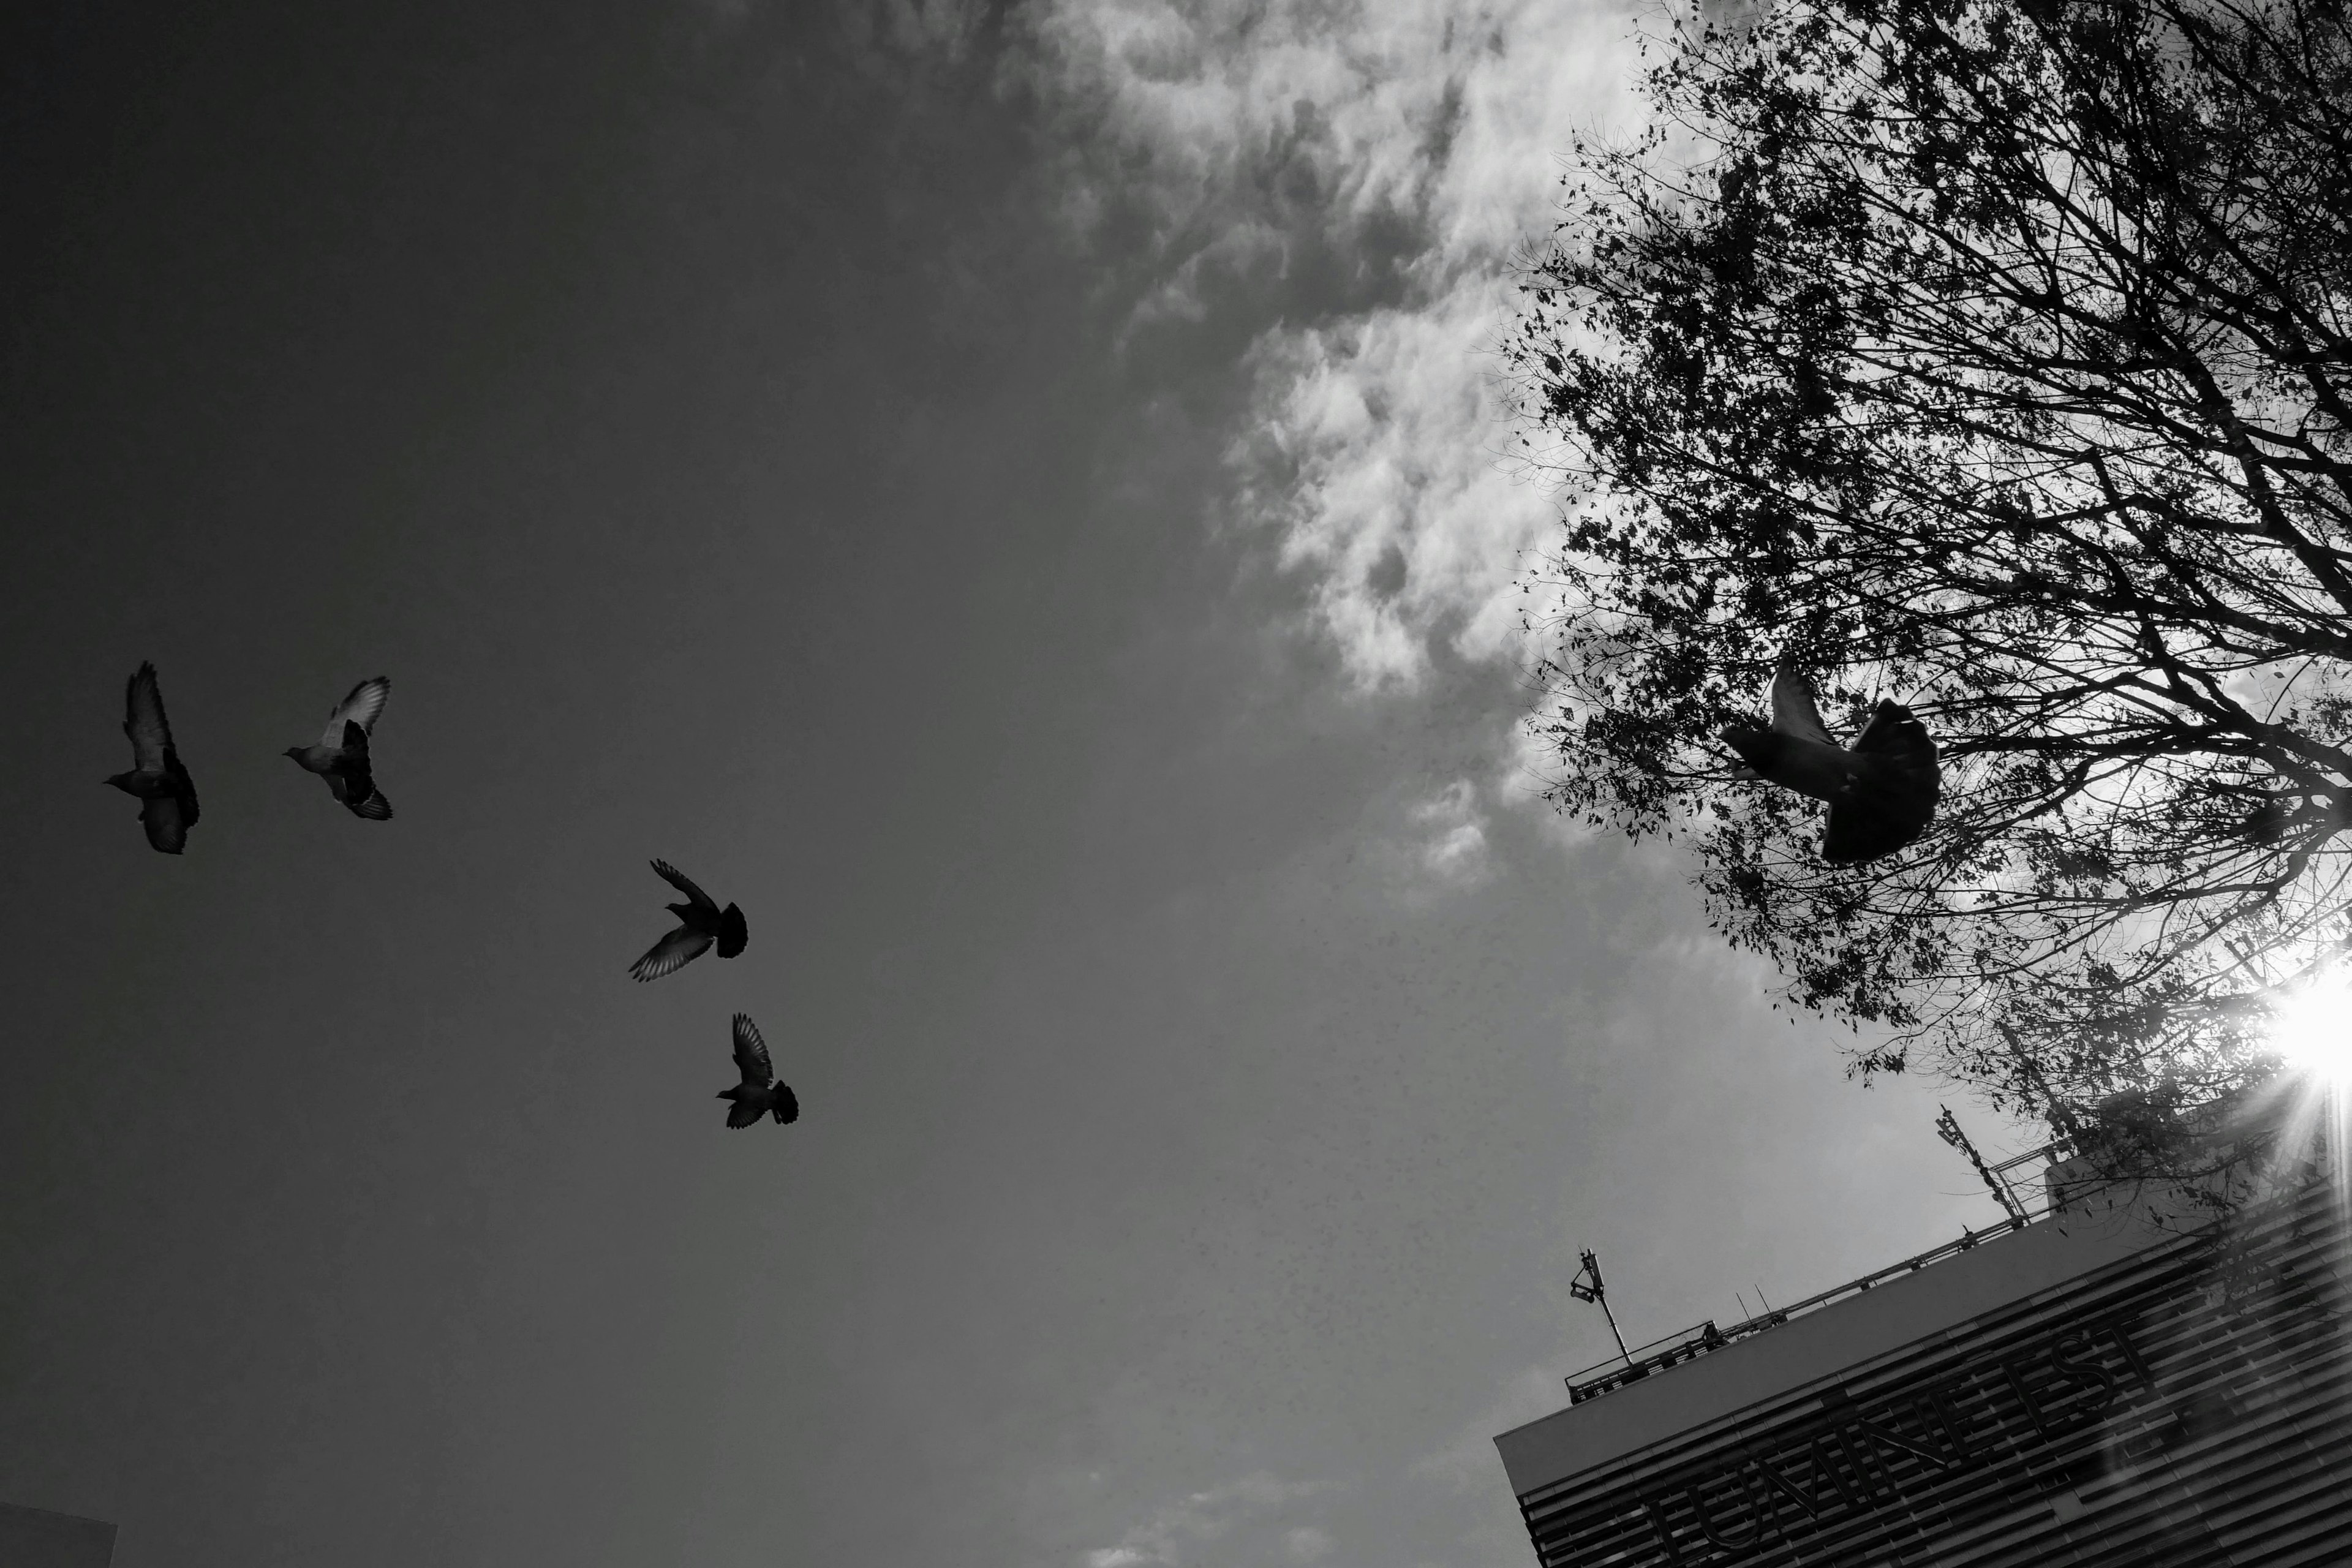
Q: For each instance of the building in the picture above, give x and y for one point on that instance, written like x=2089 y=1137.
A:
x=2097 y=1386
x=35 y=1538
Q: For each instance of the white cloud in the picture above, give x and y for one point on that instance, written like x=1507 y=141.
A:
x=1453 y=846
x=1432 y=846
x=1172 y=1536
x=1306 y=1543
x=867 y=27
x=1377 y=458
x=947 y=27
x=1419 y=142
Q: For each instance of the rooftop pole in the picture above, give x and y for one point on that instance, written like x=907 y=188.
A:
x=1587 y=1287
x=1948 y=1128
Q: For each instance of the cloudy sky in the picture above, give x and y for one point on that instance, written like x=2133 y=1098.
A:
x=1016 y=495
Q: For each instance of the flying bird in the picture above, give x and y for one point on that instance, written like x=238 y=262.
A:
x=340 y=757
x=701 y=922
x=167 y=796
x=758 y=1094
x=1881 y=790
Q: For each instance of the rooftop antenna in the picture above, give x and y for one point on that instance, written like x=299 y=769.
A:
x=1587 y=1287
x=1948 y=1128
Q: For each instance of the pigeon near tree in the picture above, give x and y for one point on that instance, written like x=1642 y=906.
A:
x=342 y=758
x=1881 y=791
x=701 y=922
x=167 y=796
x=758 y=1094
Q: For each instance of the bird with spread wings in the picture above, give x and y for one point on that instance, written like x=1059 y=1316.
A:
x=167 y=796
x=1881 y=791
x=701 y=922
x=758 y=1094
x=341 y=756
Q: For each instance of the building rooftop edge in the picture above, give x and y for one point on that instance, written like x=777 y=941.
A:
x=1986 y=1273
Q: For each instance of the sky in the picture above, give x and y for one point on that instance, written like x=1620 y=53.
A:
x=1018 y=495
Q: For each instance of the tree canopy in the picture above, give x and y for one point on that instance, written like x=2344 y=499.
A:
x=1993 y=356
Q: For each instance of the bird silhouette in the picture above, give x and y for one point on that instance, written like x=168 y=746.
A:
x=167 y=796
x=340 y=757
x=758 y=1094
x=701 y=922
x=1881 y=790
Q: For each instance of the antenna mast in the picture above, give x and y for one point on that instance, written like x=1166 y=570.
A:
x=1948 y=1128
x=1587 y=1287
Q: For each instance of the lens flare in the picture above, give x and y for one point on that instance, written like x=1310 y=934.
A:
x=2312 y=1029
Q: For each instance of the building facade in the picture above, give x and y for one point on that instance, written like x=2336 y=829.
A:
x=35 y=1538
x=2097 y=1386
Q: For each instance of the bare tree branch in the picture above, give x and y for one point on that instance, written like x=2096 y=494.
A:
x=1995 y=355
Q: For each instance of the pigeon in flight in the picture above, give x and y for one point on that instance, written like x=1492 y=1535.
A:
x=167 y=796
x=340 y=757
x=758 y=1094
x=700 y=923
x=1881 y=790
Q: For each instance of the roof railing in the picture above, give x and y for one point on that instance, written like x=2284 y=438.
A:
x=1706 y=1338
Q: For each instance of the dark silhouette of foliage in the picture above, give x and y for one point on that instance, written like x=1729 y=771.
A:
x=1993 y=357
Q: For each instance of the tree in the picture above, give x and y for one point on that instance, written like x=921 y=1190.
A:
x=1993 y=355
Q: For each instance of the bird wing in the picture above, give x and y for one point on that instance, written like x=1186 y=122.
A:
x=1893 y=798
x=672 y=953
x=360 y=707
x=183 y=789
x=143 y=721
x=685 y=884
x=1902 y=739
x=351 y=781
x=786 y=1105
x=1868 y=828
x=751 y=1052
x=166 y=824
x=1793 y=713
x=743 y=1113
x=372 y=806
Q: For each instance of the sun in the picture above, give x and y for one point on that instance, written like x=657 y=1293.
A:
x=2312 y=1028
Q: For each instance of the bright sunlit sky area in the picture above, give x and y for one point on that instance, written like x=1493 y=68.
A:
x=1017 y=497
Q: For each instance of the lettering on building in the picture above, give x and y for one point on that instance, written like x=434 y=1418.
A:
x=1859 y=1459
